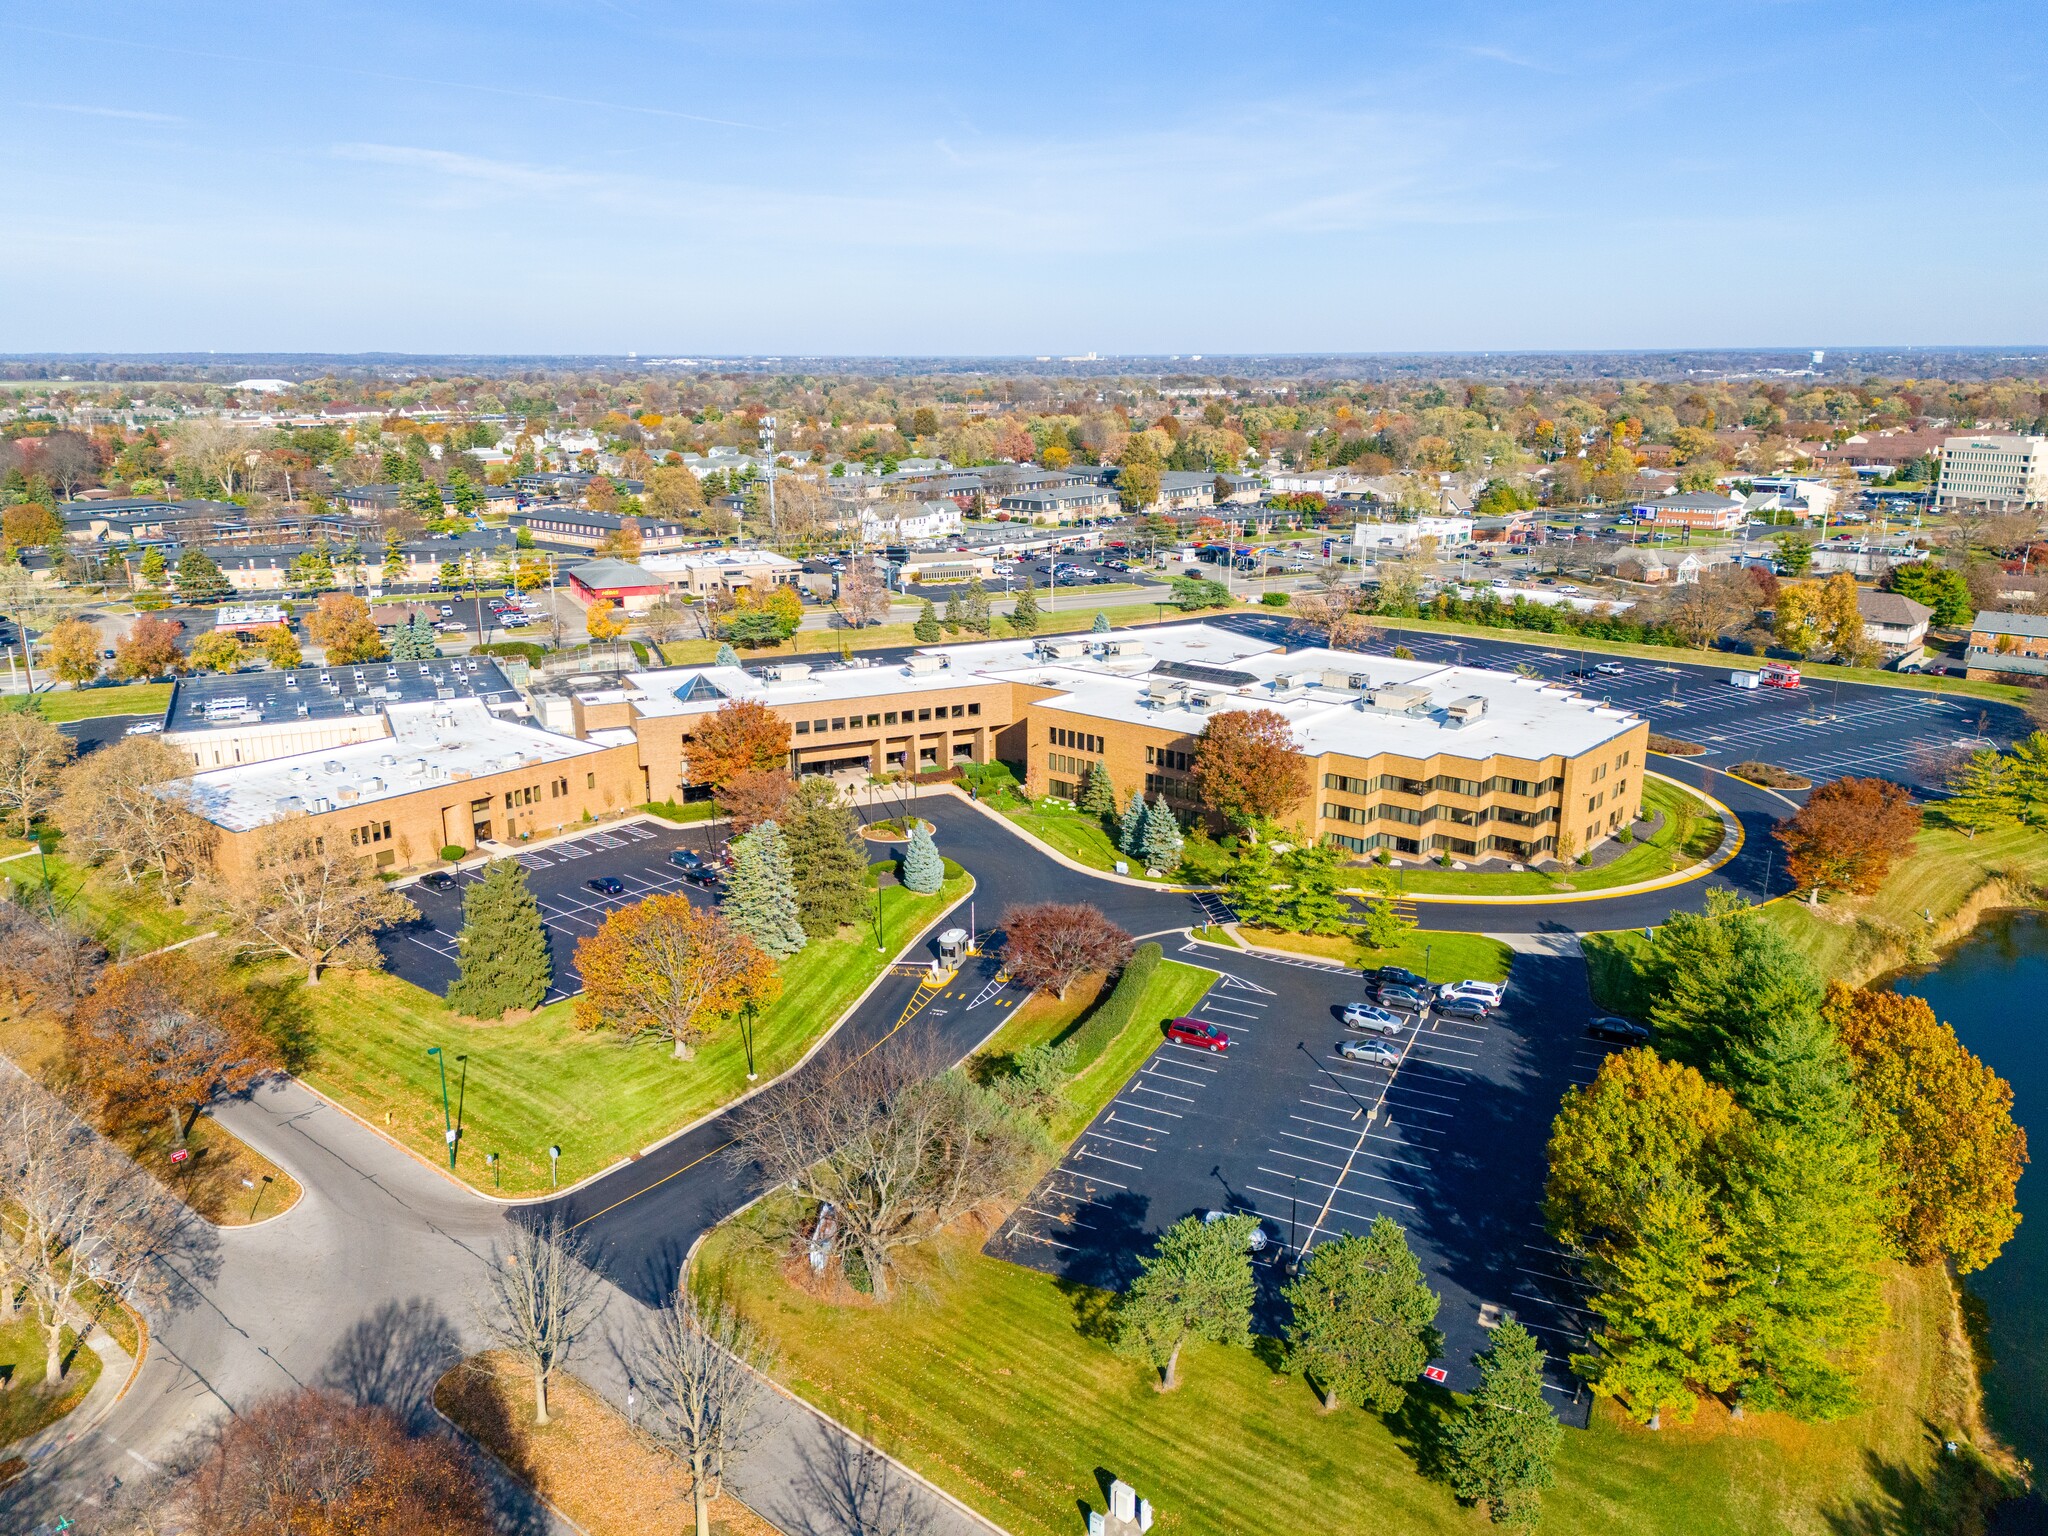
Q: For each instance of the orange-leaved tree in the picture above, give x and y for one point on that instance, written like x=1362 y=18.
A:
x=603 y=620
x=755 y=796
x=1847 y=834
x=741 y=736
x=1248 y=767
x=1945 y=1122
x=342 y=626
x=666 y=967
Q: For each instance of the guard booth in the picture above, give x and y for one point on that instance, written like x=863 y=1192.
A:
x=952 y=951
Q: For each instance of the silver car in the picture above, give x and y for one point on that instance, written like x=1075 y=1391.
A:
x=1364 y=1019
x=1374 y=1053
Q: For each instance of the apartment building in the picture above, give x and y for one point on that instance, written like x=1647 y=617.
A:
x=2007 y=647
x=1994 y=470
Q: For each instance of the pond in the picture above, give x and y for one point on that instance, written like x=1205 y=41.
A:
x=1993 y=990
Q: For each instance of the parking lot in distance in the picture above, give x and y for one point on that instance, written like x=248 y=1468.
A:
x=635 y=853
x=1450 y=1143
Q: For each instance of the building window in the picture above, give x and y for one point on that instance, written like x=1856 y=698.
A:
x=1061 y=789
x=889 y=718
x=838 y=722
x=803 y=727
x=924 y=714
x=959 y=710
x=974 y=709
x=590 y=781
x=820 y=725
x=874 y=719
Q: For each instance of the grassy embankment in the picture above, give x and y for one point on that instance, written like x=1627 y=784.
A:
x=814 y=642
x=542 y=1081
x=91 y=703
x=127 y=919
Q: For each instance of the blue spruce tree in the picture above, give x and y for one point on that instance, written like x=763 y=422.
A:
x=1101 y=624
x=923 y=871
x=760 y=898
x=726 y=657
x=1160 y=841
x=1130 y=832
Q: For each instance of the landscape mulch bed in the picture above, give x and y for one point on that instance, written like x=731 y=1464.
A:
x=1672 y=746
x=1770 y=776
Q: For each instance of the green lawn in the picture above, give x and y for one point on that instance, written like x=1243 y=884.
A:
x=127 y=919
x=992 y=1381
x=1079 y=836
x=684 y=815
x=24 y=1406
x=86 y=703
x=1648 y=859
x=1439 y=956
x=544 y=1081
x=810 y=642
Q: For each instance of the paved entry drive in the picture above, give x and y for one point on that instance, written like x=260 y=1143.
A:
x=635 y=853
x=1449 y=1141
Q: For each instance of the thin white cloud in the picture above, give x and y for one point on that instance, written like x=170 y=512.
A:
x=125 y=114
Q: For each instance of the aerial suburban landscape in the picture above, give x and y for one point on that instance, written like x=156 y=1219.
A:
x=712 y=850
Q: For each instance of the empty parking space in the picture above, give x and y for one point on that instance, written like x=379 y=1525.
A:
x=633 y=853
x=1447 y=1138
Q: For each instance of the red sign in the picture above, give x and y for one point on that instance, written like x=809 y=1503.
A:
x=1436 y=1373
x=180 y=1155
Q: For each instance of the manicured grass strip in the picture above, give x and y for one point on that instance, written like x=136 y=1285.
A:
x=1172 y=990
x=90 y=703
x=544 y=1081
x=1439 y=956
x=684 y=815
x=24 y=1406
x=810 y=642
x=1653 y=856
x=992 y=1381
x=127 y=919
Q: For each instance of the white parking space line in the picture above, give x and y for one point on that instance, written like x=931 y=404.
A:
x=1135 y=1146
x=1112 y=1161
x=1163 y=1093
x=1338 y=1210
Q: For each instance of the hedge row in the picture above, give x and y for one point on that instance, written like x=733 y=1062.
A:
x=1112 y=1016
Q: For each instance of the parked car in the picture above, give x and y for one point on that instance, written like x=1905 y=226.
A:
x=1462 y=1007
x=1403 y=997
x=607 y=885
x=1195 y=1032
x=1368 y=1020
x=1488 y=992
x=438 y=880
x=1400 y=976
x=144 y=728
x=1374 y=1053
x=1606 y=1026
x=1610 y=669
x=1255 y=1241
x=687 y=859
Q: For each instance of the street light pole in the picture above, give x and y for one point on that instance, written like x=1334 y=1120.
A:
x=747 y=1036
x=447 y=1115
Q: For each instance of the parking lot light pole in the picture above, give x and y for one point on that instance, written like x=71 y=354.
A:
x=747 y=1036
x=1427 y=950
x=447 y=1115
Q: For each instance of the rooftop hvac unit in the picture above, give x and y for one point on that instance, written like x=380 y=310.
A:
x=789 y=671
x=387 y=761
x=346 y=794
x=1062 y=650
x=1335 y=679
x=925 y=664
x=1123 y=647
x=289 y=805
x=322 y=803
x=303 y=711
x=416 y=767
x=330 y=766
x=1466 y=710
x=1400 y=699
x=370 y=787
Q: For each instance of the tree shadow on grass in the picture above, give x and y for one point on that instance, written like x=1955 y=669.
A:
x=1421 y=1427
x=1952 y=1491
x=281 y=1007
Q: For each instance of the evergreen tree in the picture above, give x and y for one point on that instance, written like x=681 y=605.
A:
x=1715 y=972
x=424 y=641
x=1381 y=926
x=1197 y=1284
x=2030 y=778
x=1024 y=613
x=1159 y=842
x=1361 y=1327
x=394 y=558
x=726 y=657
x=923 y=870
x=153 y=567
x=1101 y=624
x=1130 y=832
x=974 y=610
x=1251 y=895
x=827 y=854
x=199 y=577
x=1312 y=903
x=760 y=896
x=1982 y=794
x=952 y=619
x=1503 y=1439
x=926 y=629
x=1098 y=795
x=503 y=946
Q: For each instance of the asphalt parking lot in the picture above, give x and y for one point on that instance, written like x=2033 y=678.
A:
x=1824 y=729
x=1450 y=1143
x=633 y=852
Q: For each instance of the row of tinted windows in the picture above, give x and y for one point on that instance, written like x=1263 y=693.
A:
x=907 y=717
x=1498 y=784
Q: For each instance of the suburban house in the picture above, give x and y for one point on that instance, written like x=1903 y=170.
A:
x=1656 y=568
x=1896 y=625
x=2007 y=647
x=1806 y=499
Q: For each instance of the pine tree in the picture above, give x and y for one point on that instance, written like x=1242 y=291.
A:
x=760 y=897
x=1504 y=1439
x=830 y=862
x=503 y=946
x=1312 y=903
x=1098 y=795
x=1024 y=613
x=1197 y=1284
x=424 y=640
x=1130 y=832
x=952 y=619
x=1251 y=895
x=1159 y=841
x=926 y=629
x=2029 y=773
x=1982 y=794
x=923 y=870
x=726 y=657
x=1101 y=624
x=1381 y=926
x=1362 y=1319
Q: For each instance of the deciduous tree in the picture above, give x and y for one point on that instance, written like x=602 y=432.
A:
x=739 y=736
x=1049 y=945
x=755 y=795
x=149 y=649
x=342 y=626
x=216 y=651
x=503 y=947
x=164 y=1036
x=1503 y=1439
x=130 y=805
x=1196 y=1284
x=604 y=621
x=1248 y=767
x=281 y=649
x=1847 y=835
x=705 y=1369
x=666 y=967
x=1362 y=1323
x=297 y=892
x=72 y=651
x=1945 y=1122
x=33 y=753
x=863 y=595
x=543 y=1294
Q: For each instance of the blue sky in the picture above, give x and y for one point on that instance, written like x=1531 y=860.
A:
x=1053 y=178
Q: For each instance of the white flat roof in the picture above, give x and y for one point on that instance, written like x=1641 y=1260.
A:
x=439 y=742
x=658 y=693
x=714 y=559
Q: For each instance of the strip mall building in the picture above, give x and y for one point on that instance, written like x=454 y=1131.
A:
x=405 y=759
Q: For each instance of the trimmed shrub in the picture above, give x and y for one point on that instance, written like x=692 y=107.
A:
x=455 y=853
x=1114 y=1013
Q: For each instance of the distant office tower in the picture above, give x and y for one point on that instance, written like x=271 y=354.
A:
x=1993 y=471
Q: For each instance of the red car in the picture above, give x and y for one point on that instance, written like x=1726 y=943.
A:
x=1203 y=1037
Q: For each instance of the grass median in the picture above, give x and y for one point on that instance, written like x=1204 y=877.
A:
x=91 y=703
x=1441 y=956
x=542 y=1081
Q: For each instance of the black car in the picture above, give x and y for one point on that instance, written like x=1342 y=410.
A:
x=1403 y=997
x=1459 y=1007
x=1606 y=1026
x=1400 y=976
x=607 y=885
x=439 y=880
